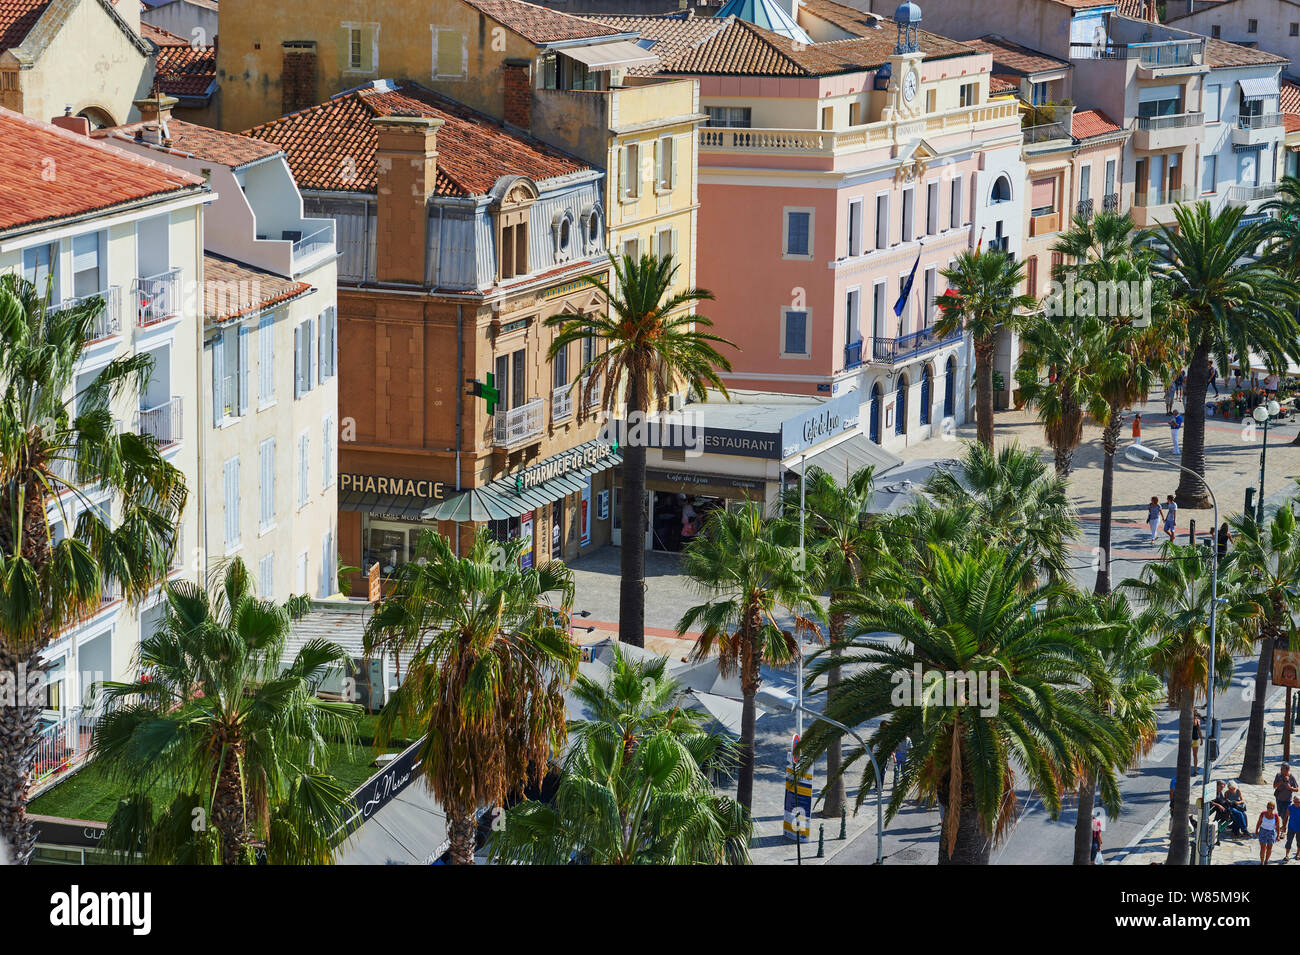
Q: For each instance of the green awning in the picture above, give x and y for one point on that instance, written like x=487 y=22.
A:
x=501 y=499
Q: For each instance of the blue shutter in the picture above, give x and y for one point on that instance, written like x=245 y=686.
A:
x=218 y=380
x=243 y=369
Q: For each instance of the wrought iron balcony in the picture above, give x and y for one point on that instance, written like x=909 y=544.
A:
x=895 y=351
x=853 y=354
x=162 y=422
x=158 y=298
x=519 y=424
x=108 y=322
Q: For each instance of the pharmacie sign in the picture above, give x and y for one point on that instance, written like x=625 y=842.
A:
x=826 y=421
x=397 y=486
x=584 y=456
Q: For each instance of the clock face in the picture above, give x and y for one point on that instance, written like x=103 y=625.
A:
x=909 y=86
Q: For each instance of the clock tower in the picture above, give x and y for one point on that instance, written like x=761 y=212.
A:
x=905 y=63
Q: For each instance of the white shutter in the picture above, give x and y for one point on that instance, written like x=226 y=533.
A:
x=243 y=369
x=265 y=360
x=661 y=157
x=266 y=577
x=297 y=361
x=232 y=504
x=622 y=173
x=320 y=348
x=267 y=489
x=303 y=446
x=327 y=453
x=302 y=573
x=334 y=341
x=326 y=562
x=218 y=380
x=309 y=346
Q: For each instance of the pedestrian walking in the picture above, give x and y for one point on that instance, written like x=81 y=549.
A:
x=900 y=757
x=1169 y=400
x=1179 y=382
x=1214 y=379
x=1154 y=515
x=1171 y=516
x=1266 y=832
x=1225 y=538
x=1175 y=425
x=1137 y=427
x=1196 y=743
x=1096 y=840
x=1293 y=827
x=1284 y=787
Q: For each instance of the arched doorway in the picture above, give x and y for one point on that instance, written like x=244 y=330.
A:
x=900 y=406
x=927 y=377
x=877 y=399
x=950 y=388
x=99 y=118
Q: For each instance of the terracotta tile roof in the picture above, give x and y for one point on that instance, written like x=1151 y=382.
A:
x=229 y=149
x=332 y=146
x=1220 y=53
x=1092 y=122
x=1290 y=98
x=846 y=18
x=1291 y=121
x=232 y=289
x=186 y=70
x=1003 y=84
x=160 y=36
x=17 y=17
x=539 y=24
x=740 y=48
x=1012 y=59
x=95 y=176
x=1131 y=8
x=671 y=34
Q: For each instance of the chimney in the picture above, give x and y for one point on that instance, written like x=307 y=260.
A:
x=155 y=113
x=406 y=168
x=518 y=82
x=73 y=124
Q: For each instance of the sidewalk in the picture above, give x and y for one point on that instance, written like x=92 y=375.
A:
x=1152 y=846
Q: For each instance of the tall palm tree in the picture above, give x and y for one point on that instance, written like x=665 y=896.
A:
x=56 y=441
x=999 y=692
x=1231 y=301
x=1107 y=248
x=653 y=343
x=749 y=568
x=1012 y=500
x=1176 y=593
x=843 y=542
x=222 y=717
x=1058 y=378
x=634 y=786
x=1268 y=557
x=486 y=674
x=1124 y=687
x=1283 y=225
x=983 y=295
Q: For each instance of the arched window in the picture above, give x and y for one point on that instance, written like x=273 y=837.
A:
x=927 y=377
x=1001 y=191
x=950 y=388
x=900 y=406
x=877 y=399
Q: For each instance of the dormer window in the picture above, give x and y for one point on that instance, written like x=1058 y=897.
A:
x=562 y=235
x=590 y=223
x=512 y=215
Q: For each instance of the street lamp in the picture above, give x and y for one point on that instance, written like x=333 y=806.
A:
x=784 y=701
x=1143 y=455
x=1263 y=413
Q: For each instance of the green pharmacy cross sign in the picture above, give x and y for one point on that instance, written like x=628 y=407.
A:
x=485 y=390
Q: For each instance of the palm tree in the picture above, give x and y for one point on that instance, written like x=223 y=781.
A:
x=654 y=344
x=999 y=693
x=1283 y=224
x=749 y=567
x=1057 y=376
x=1124 y=687
x=983 y=295
x=1128 y=357
x=634 y=787
x=1268 y=556
x=219 y=715
x=487 y=671
x=55 y=441
x=1012 y=500
x=843 y=543
x=1176 y=592
x=1232 y=302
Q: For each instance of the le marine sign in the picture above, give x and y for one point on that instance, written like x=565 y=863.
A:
x=398 y=486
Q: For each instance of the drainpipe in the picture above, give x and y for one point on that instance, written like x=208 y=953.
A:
x=460 y=388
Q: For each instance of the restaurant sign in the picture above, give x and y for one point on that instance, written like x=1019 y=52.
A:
x=583 y=456
x=397 y=486
x=828 y=420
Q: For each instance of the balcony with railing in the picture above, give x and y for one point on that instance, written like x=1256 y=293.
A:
x=158 y=298
x=592 y=400
x=1047 y=122
x=310 y=248
x=1110 y=202
x=1172 y=131
x=852 y=355
x=1258 y=129
x=562 y=403
x=108 y=323
x=1153 y=57
x=518 y=425
x=897 y=351
x=63 y=742
x=1083 y=208
x=1244 y=195
x=162 y=422
x=1154 y=207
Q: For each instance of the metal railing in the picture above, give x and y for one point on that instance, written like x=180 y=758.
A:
x=1045 y=132
x=63 y=742
x=1259 y=121
x=158 y=297
x=1110 y=202
x=562 y=403
x=109 y=320
x=906 y=347
x=1083 y=208
x=853 y=354
x=1145 y=200
x=309 y=245
x=1241 y=194
x=1158 y=53
x=163 y=422
x=1172 y=121
x=593 y=400
x=519 y=424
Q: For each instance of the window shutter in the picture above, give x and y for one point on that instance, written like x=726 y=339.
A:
x=310 y=365
x=334 y=341
x=622 y=173
x=674 y=247
x=218 y=380
x=302 y=468
x=232 y=503
x=243 y=369
x=368 y=45
x=265 y=360
x=297 y=361
x=671 y=159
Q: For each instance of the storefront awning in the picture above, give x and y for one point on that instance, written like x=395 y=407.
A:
x=844 y=457
x=1257 y=87
x=383 y=505
x=606 y=56
x=505 y=497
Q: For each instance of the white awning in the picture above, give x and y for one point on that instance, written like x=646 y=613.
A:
x=841 y=459
x=1257 y=87
x=606 y=56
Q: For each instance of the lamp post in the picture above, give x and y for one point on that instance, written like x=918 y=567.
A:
x=1141 y=454
x=1263 y=413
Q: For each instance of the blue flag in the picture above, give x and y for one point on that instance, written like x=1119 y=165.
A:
x=907 y=288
